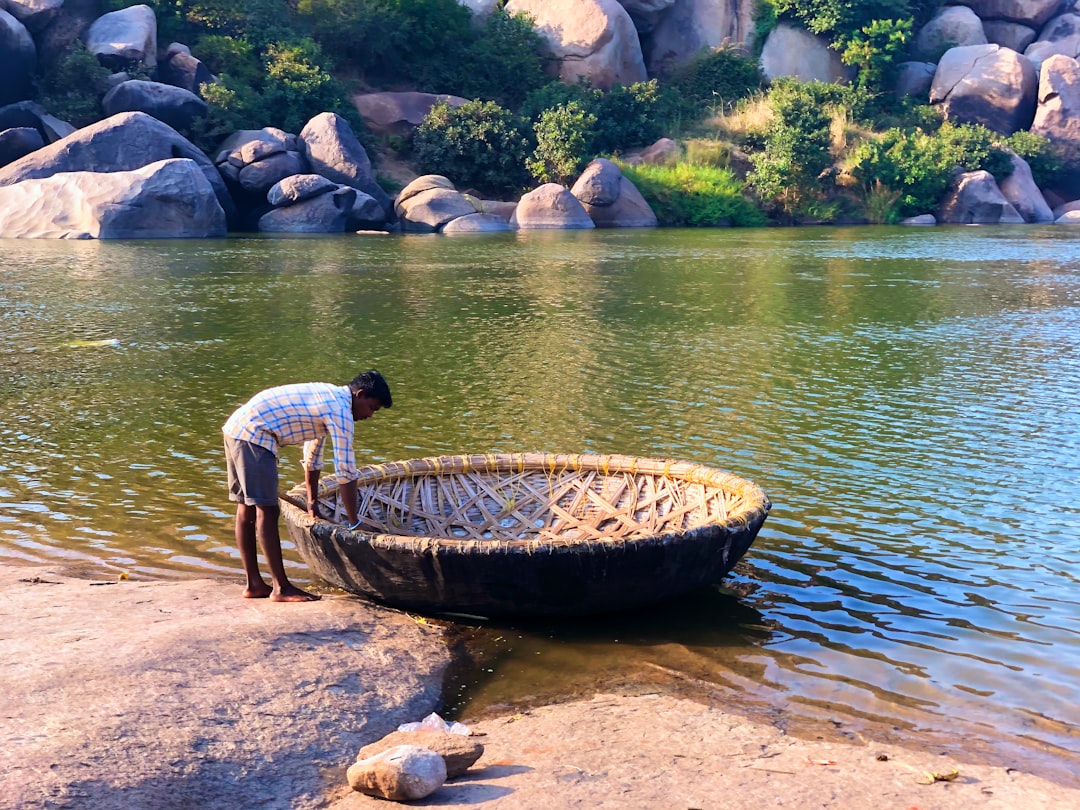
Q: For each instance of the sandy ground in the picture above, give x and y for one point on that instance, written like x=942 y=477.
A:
x=183 y=695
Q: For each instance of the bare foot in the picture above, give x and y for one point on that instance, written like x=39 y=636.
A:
x=293 y=594
x=260 y=591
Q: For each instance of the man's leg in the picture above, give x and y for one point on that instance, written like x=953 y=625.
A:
x=270 y=540
x=245 y=541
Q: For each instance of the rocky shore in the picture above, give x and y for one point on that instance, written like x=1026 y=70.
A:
x=123 y=694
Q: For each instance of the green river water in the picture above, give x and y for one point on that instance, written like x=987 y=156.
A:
x=908 y=398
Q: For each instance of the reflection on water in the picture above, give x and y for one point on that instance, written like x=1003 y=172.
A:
x=908 y=400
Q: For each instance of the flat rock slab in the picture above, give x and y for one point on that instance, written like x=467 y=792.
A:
x=661 y=752
x=183 y=694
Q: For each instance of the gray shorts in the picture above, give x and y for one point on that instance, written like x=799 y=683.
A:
x=252 y=473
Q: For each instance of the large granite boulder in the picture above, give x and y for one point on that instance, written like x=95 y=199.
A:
x=399 y=113
x=587 y=39
x=682 y=30
x=914 y=79
x=477 y=223
x=429 y=203
x=123 y=38
x=1033 y=13
x=167 y=199
x=611 y=200
x=18 y=142
x=18 y=58
x=1060 y=36
x=988 y=85
x=122 y=142
x=646 y=14
x=34 y=14
x=32 y=114
x=175 y=106
x=549 y=207
x=950 y=27
x=299 y=187
x=1019 y=188
x=327 y=212
x=1009 y=34
x=179 y=68
x=975 y=199
x=333 y=150
x=791 y=51
x=1057 y=118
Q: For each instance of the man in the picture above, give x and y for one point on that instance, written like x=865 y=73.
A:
x=304 y=413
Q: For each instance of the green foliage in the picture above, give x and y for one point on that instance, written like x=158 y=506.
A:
x=478 y=145
x=298 y=86
x=920 y=165
x=876 y=50
x=1045 y=159
x=230 y=55
x=72 y=87
x=880 y=204
x=788 y=171
x=714 y=81
x=563 y=136
x=502 y=63
x=687 y=195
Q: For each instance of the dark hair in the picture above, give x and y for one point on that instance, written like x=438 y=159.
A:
x=372 y=384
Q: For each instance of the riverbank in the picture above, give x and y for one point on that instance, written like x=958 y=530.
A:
x=123 y=694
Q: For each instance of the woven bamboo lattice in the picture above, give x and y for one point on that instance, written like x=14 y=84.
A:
x=557 y=499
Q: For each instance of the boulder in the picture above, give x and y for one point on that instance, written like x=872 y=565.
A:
x=587 y=39
x=477 y=223
x=1068 y=218
x=175 y=106
x=550 y=206
x=260 y=176
x=682 y=30
x=325 y=213
x=429 y=210
x=662 y=151
x=125 y=37
x=975 y=199
x=1019 y=189
x=459 y=751
x=988 y=85
x=163 y=200
x=122 y=142
x=914 y=79
x=1060 y=36
x=248 y=145
x=332 y=150
x=181 y=69
x=791 y=51
x=1066 y=208
x=646 y=13
x=1057 y=116
x=401 y=773
x=367 y=214
x=18 y=58
x=503 y=209
x=424 y=182
x=398 y=113
x=610 y=200
x=32 y=114
x=1033 y=13
x=34 y=14
x=18 y=142
x=297 y=188
x=921 y=219
x=950 y=27
x=1009 y=34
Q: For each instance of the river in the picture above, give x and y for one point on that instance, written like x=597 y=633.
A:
x=908 y=398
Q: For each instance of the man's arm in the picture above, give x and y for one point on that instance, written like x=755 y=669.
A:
x=347 y=492
x=311 y=482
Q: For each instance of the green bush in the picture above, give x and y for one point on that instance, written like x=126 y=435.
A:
x=502 y=62
x=298 y=86
x=1044 y=158
x=478 y=145
x=563 y=138
x=685 y=195
x=714 y=81
x=72 y=87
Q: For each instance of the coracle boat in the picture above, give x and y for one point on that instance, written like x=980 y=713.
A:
x=529 y=534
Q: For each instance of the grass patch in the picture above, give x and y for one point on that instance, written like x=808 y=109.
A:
x=686 y=195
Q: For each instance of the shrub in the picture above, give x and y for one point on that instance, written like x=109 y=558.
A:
x=502 y=63
x=685 y=195
x=72 y=87
x=626 y=117
x=1044 y=158
x=478 y=144
x=714 y=82
x=563 y=137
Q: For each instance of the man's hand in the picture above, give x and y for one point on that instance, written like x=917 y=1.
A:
x=313 y=509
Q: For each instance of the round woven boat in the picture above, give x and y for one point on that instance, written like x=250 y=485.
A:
x=529 y=534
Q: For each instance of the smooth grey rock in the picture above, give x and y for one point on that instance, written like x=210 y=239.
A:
x=297 y=188
x=988 y=85
x=1030 y=12
x=181 y=69
x=551 y=206
x=459 y=751
x=598 y=183
x=975 y=199
x=610 y=200
x=1057 y=117
x=18 y=58
x=367 y=213
x=477 y=223
x=122 y=142
x=259 y=177
x=588 y=39
x=950 y=27
x=424 y=182
x=687 y=27
x=1009 y=34
x=921 y=219
x=1060 y=36
x=326 y=213
x=123 y=37
x=503 y=209
x=791 y=51
x=333 y=150
x=1066 y=208
x=32 y=114
x=34 y=14
x=18 y=142
x=1019 y=189
x=167 y=199
x=430 y=210
x=399 y=113
x=914 y=79
x=175 y=106
x=1068 y=218
x=401 y=773
x=247 y=145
